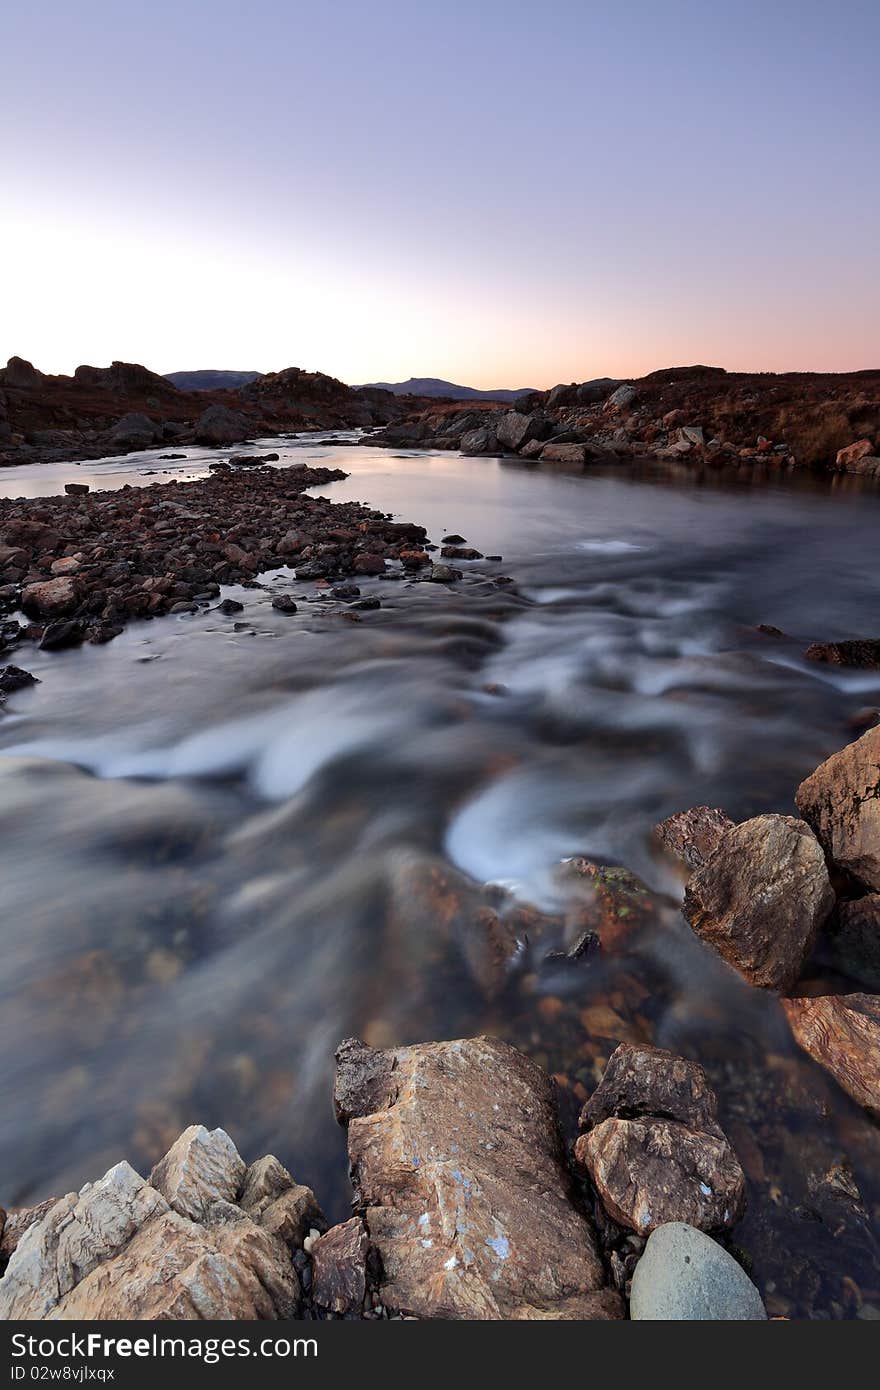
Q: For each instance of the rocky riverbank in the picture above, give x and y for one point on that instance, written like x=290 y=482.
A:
x=702 y=415
x=101 y=411
x=473 y=1194
x=79 y=567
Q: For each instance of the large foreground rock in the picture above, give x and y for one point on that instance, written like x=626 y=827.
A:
x=685 y=1276
x=761 y=898
x=841 y=801
x=460 y=1178
x=654 y=1149
x=842 y=1033
x=180 y=1246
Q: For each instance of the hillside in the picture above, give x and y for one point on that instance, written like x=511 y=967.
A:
x=433 y=386
x=210 y=380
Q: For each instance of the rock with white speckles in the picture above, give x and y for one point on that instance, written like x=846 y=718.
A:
x=460 y=1177
x=654 y=1149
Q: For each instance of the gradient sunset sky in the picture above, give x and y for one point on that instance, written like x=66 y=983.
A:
x=503 y=194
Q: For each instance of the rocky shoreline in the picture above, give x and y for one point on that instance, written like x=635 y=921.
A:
x=104 y=411
x=79 y=567
x=698 y=415
x=467 y=1200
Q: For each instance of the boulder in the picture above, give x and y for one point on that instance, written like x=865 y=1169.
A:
x=862 y=652
x=514 y=430
x=220 y=425
x=563 y=453
x=867 y=466
x=76 y=489
x=685 y=1276
x=853 y=453
x=842 y=1033
x=52 y=598
x=692 y=434
x=14 y=678
x=653 y=1147
x=599 y=389
x=460 y=1177
x=841 y=801
x=693 y=836
x=479 y=441
x=563 y=394
x=134 y=431
x=761 y=899
x=621 y=398
x=119 y=1249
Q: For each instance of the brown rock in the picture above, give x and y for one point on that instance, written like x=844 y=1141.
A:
x=199 y=1169
x=116 y=1250
x=654 y=1148
x=17 y=1222
x=648 y=1172
x=460 y=1177
x=842 y=1033
x=641 y=1080
x=52 y=598
x=282 y=1207
x=339 y=1268
x=563 y=453
x=761 y=899
x=693 y=836
x=852 y=453
x=841 y=801
x=862 y=653
x=369 y=564
x=614 y=904
x=436 y=901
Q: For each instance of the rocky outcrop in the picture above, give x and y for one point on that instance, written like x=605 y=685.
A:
x=842 y=1033
x=841 y=801
x=183 y=1245
x=460 y=1178
x=653 y=1147
x=761 y=898
x=693 y=836
x=685 y=1276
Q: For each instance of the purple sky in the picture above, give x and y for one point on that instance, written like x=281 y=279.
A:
x=497 y=193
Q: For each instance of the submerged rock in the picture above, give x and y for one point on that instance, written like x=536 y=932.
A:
x=862 y=652
x=761 y=899
x=460 y=1177
x=841 y=801
x=842 y=1033
x=685 y=1276
x=654 y=1149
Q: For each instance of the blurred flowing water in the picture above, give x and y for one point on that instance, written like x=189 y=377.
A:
x=201 y=824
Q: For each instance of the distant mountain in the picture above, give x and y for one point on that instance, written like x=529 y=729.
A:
x=434 y=386
x=211 y=380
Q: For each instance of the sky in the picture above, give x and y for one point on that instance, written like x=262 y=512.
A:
x=501 y=194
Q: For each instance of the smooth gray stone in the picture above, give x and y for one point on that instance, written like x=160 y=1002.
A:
x=685 y=1276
